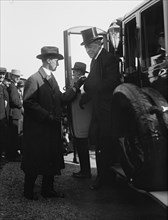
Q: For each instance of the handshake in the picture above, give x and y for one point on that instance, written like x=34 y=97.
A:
x=80 y=82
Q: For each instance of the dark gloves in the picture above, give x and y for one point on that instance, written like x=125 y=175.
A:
x=80 y=82
x=53 y=120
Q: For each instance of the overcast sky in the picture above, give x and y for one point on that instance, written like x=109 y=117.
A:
x=28 y=25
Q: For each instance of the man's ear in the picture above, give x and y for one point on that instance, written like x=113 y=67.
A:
x=48 y=60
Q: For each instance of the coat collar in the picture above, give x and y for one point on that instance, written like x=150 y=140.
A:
x=42 y=72
x=52 y=83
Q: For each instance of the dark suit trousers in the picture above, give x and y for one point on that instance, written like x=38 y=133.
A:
x=4 y=136
x=29 y=182
x=81 y=145
x=105 y=157
x=14 y=139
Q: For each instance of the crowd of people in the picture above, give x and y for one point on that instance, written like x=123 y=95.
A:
x=40 y=108
x=11 y=114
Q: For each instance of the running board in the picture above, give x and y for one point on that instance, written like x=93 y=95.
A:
x=159 y=196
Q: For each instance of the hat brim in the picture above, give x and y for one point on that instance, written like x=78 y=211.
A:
x=80 y=70
x=58 y=56
x=91 y=41
x=17 y=74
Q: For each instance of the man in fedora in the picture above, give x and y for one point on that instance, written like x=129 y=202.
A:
x=99 y=85
x=43 y=103
x=80 y=142
x=15 y=115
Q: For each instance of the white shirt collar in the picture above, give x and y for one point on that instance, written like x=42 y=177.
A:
x=98 y=53
x=47 y=71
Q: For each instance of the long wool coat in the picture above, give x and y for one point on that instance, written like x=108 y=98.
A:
x=42 y=145
x=102 y=80
x=14 y=102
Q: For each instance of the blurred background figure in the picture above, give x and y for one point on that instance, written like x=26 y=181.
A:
x=4 y=115
x=15 y=104
x=20 y=87
x=161 y=42
x=159 y=77
x=161 y=49
x=80 y=144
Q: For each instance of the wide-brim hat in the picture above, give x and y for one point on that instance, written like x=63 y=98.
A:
x=16 y=72
x=50 y=51
x=90 y=35
x=3 y=70
x=80 y=66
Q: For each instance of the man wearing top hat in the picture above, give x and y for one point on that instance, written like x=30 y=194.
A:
x=43 y=103
x=15 y=115
x=99 y=86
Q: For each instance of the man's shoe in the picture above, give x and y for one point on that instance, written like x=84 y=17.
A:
x=31 y=196
x=79 y=175
x=96 y=185
x=53 y=194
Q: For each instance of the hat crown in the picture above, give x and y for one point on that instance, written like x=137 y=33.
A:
x=79 y=66
x=49 y=50
x=161 y=34
x=3 y=70
x=89 y=35
x=15 y=72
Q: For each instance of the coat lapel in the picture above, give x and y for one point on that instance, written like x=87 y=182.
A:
x=50 y=81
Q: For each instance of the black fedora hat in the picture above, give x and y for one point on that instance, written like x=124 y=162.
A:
x=161 y=34
x=90 y=35
x=50 y=51
x=80 y=66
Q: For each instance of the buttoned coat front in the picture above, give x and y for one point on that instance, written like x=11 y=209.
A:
x=99 y=86
x=42 y=146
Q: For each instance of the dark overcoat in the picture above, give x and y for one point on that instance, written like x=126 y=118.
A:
x=14 y=102
x=4 y=110
x=4 y=116
x=42 y=145
x=99 y=86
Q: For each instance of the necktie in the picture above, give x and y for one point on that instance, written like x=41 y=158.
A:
x=92 y=63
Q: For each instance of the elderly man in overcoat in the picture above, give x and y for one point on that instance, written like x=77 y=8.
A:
x=15 y=115
x=42 y=147
x=102 y=80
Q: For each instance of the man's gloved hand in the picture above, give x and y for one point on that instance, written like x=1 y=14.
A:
x=80 y=82
x=53 y=120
